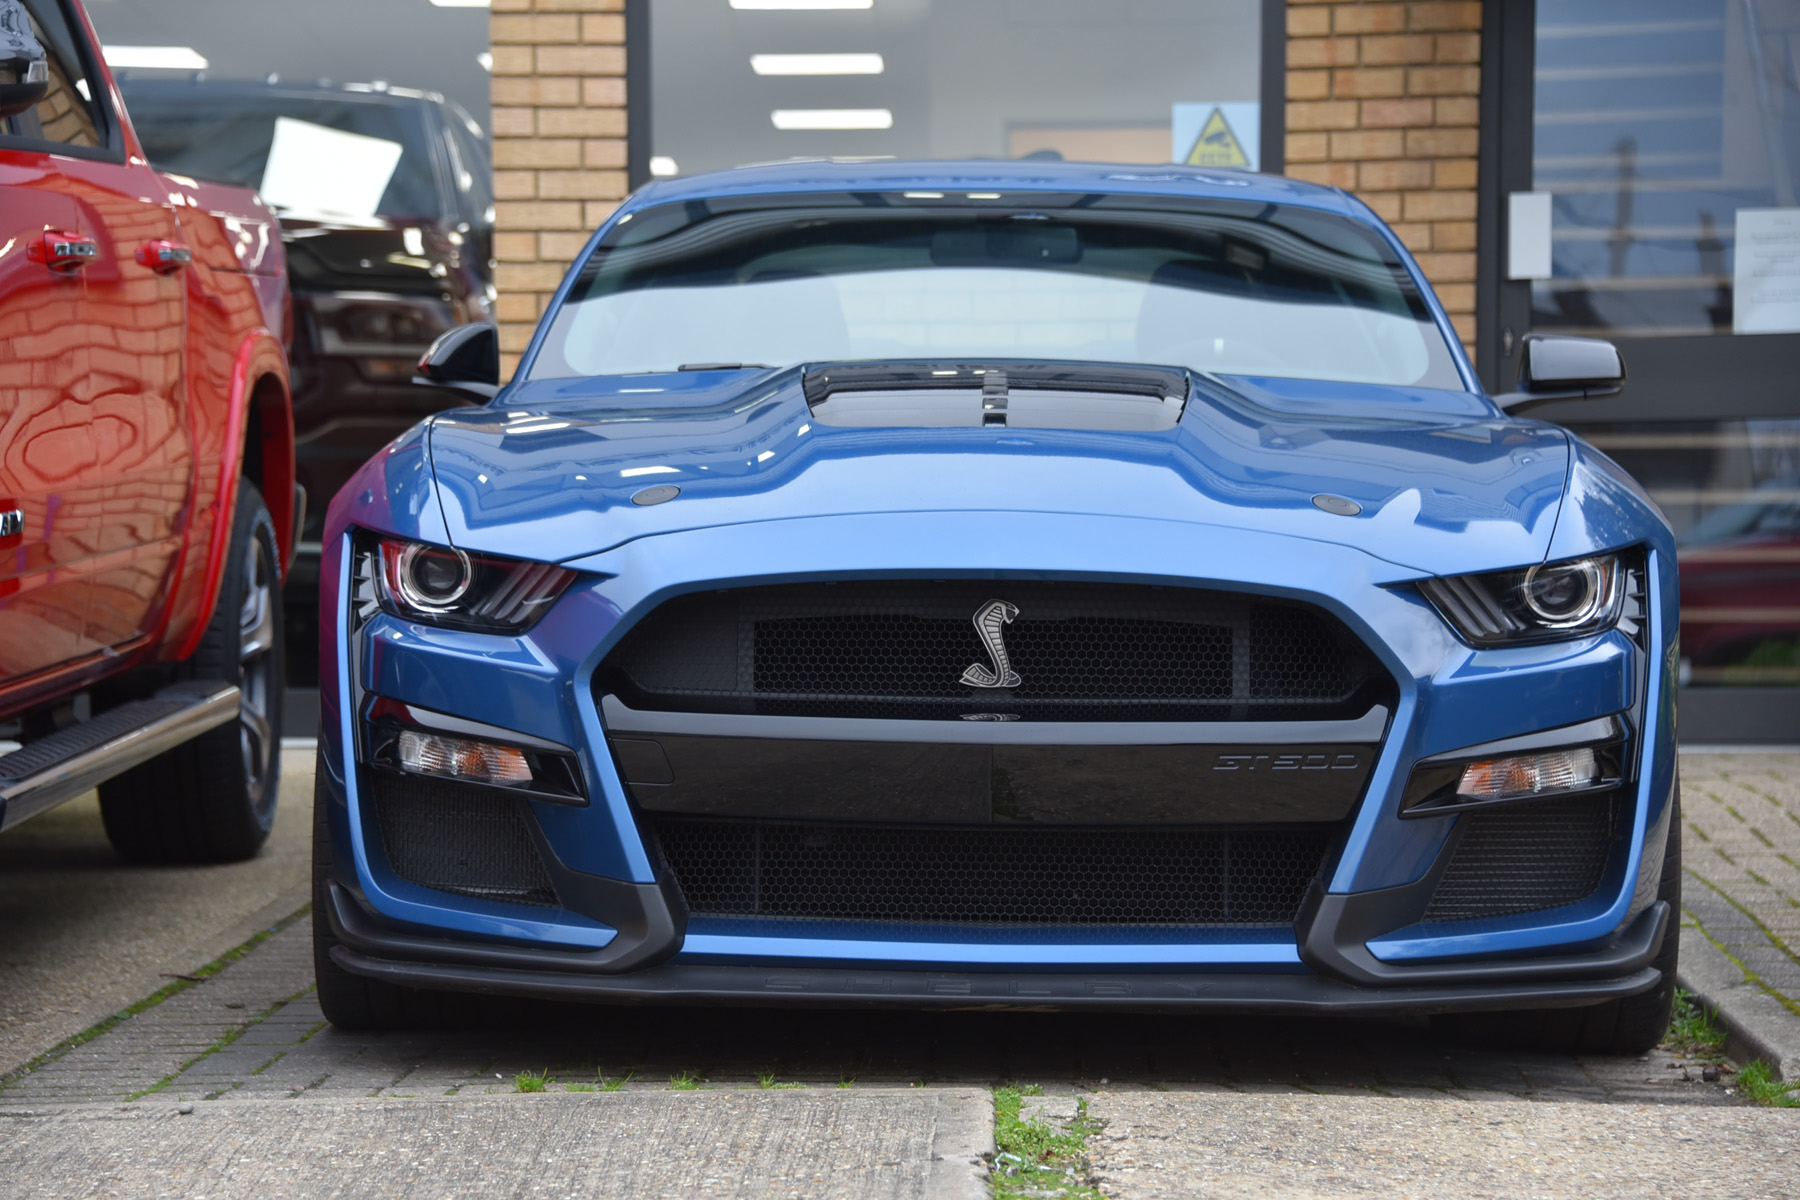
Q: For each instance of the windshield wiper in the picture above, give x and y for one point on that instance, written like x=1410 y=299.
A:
x=723 y=367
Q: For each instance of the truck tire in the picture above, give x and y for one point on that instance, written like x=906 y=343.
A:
x=352 y=1001
x=212 y=799
x=1630 y=1025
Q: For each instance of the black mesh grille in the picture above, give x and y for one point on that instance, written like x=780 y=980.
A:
x=1081 y=651
x=1526 y=857
x=472 y=841
x=991 y=875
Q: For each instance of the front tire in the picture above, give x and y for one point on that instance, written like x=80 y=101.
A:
x=212 y=799
x=1630 y=1025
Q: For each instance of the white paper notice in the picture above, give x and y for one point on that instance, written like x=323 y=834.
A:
x=315 y=170
x=1765 y=280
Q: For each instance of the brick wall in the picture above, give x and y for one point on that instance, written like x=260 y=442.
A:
x=1383 y=99
x=559 y=146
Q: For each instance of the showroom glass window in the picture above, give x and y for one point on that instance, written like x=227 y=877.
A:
x=1667 y=134
x=743 y=81
x=68 y=115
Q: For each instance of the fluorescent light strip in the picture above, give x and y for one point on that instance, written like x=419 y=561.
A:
x=832 y=118
x=817 y=64
x=771 y=5
x=462 y=3
x=155 y=58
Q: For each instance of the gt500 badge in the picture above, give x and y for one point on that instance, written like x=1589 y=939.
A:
x=1299 y=761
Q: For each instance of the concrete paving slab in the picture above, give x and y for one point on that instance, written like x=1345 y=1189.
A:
x=1221 y=1145
x=866 y=1145
x=84 y=934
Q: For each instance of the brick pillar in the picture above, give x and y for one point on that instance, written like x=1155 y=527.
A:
x=559 y=146
x=1383 y=99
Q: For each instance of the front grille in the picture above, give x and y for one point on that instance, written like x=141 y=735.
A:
x=453 y=837
x=1082 y=652
x=989 y=875
x=1520 y=858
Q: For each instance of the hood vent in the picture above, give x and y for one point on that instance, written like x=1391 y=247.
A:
x=1018 y=395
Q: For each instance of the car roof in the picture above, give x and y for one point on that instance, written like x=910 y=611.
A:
x=363 y=93
x=1034 y=175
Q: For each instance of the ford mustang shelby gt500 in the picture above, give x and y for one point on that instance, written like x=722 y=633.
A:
x=998 y=585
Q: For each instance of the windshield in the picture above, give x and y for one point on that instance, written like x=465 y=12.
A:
x=326 y=157
x=1230 y=287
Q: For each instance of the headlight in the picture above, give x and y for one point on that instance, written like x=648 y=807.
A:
x=1531 y=604
x=441 y=585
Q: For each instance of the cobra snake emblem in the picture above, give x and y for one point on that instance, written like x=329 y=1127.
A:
x=990 y=619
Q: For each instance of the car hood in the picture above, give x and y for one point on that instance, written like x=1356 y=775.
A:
x=1444 y=483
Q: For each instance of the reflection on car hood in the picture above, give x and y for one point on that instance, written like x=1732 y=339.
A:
x=1445 y=484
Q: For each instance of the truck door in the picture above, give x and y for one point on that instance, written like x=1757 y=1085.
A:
x=50 y=499
x=134 y=309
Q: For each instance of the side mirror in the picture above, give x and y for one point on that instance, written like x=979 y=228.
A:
x=465 y=359
x=23 y=82
x=1564 y=368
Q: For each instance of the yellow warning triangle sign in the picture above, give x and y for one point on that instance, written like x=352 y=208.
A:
x=1217 y=146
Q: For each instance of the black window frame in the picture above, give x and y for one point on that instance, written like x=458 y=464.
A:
x=106 y=120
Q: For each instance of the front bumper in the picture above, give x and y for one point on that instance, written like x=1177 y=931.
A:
x=1359 y=946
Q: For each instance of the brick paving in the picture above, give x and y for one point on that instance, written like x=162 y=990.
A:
x=1742 y=863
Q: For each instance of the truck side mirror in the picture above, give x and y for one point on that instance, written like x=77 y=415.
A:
x=465 y=359
x=23 y=82
x=1552 y=367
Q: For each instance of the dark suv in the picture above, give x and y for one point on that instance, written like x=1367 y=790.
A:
x=386 y=205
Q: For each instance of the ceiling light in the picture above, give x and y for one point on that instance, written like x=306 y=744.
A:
x=984 y=195
x=807 y=4
x=663 y=165
x=832 y=118
x=155 y=58
x=462 y=3
x=486 y=59
x=923 y=195
x=816 y=64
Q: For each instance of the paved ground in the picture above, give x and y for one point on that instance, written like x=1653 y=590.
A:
x=1742 y=888
x=1221 y=1145
x=1214 y=1106
x=920 y=1145
x=82 y=934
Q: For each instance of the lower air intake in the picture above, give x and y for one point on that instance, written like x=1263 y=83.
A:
x=471 y=841
x=989 y=875
x=1520 y=858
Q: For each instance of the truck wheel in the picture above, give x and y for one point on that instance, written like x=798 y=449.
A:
x=1628 y=1026
x=351 y=1001
x=212 y=799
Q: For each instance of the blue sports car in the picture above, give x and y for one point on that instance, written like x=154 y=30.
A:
x=1001 y=585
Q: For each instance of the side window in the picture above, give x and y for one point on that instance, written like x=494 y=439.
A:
x=69 y=114
x=474 y=177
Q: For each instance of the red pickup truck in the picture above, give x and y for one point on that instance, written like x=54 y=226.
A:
x=147 y=495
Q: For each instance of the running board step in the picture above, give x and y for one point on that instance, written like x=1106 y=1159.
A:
x=68 y=762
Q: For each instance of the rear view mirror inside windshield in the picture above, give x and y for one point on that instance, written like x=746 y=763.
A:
x=1008 y=244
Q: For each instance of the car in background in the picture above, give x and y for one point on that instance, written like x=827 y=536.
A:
x=147 y=499
x=992 y=585
x=386 y=206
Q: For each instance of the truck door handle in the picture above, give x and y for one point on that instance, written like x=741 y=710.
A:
x=163 y=256
x=63 y=252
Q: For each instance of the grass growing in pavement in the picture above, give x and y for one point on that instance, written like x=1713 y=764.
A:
x=532 y=1081
x=846 y=1081
x=1756 y=1082
x=579 y=1087
x=685 y=1082
x=767 y=1082
x=1694 y=1029
x=615 y=1085
x=181 y=984
x=1033 y=1158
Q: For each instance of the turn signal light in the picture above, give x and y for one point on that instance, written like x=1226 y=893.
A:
x=1531 y=775
x=462 y=758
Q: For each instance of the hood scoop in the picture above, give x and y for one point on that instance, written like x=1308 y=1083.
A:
x=1017 y=395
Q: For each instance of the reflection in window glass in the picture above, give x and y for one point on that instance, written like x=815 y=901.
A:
x=1228 y=288
x=1657 y=122
x=1087 y=80
x=1731 y=489
x=67 y=114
